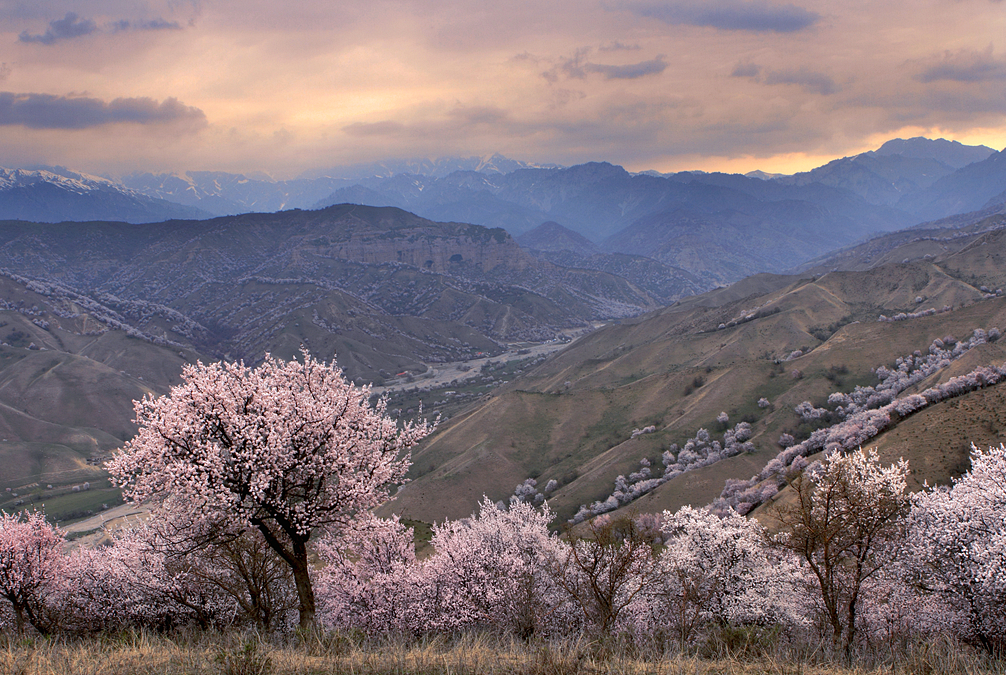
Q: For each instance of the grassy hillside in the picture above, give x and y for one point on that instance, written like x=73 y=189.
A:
x=572 y=418
x=67 y=382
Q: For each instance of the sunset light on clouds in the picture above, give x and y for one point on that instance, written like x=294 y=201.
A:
x=110 y=86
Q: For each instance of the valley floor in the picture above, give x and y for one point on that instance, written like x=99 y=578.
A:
x=442 y=374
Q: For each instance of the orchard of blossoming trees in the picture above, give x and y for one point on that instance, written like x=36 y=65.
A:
x=853 y=562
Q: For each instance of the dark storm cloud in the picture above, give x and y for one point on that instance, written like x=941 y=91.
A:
x=45 y=111
x=809 y=80
x=629 y=72
x=69 y=27
x=153 y=24
x=577 y=67
x=747 y=15
x=965 y=66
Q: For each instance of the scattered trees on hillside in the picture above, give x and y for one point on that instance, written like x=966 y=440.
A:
x=853 y=431
x=700 y=451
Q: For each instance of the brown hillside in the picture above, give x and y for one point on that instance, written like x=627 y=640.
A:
x=571 y=418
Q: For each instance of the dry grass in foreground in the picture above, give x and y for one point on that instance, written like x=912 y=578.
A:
x=197 y=654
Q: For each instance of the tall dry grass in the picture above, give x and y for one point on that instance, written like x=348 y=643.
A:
x=141 y=653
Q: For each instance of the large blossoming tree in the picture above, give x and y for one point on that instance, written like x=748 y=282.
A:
x=846 y=524
x=285 y=448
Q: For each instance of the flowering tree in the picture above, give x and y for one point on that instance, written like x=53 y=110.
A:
x=606 y=570
x=847 y=516
x=284 y=448
x=492 y=569
x=31 y=557
x=720 y=571
x=957 y=548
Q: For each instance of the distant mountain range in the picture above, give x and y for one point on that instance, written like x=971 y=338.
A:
x=705 y=229
x=435 y=167
x=57 y=194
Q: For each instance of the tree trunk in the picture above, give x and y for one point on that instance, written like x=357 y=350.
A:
x=850 y=630
x=19 y=617
x=305 y=591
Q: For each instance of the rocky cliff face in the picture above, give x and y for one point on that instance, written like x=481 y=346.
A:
x=442 y=248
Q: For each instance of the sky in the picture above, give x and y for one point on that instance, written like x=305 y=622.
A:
x=119 y=86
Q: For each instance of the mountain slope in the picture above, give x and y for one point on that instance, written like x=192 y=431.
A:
x=551 y=236
x=577 y=417
x=951 y=153
x=970 y=188
x=385 y=289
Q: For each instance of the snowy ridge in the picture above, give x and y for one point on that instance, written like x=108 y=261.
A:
x=80 y=183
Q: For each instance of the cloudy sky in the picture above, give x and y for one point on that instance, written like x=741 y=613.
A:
x=115 y=86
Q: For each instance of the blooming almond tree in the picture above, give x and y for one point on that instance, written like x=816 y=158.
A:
x=31 y=558
x=957 y=548
x=285 y=448
x=845 y=523
x=720 y=571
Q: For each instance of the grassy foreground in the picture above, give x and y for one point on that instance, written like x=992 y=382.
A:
x=232 y=654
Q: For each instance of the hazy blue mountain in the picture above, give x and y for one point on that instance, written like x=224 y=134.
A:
x=951 y=153
x=598 y=199
x=879 y=179
x=896 y=169
x=436 y=167
x=225 y=194
x=57 y=194
x=551 y=236
x=222 y=193
x=967 y=189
